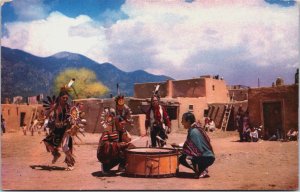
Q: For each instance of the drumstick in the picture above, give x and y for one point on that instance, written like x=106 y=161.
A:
x=158 y=137
x=134 y=139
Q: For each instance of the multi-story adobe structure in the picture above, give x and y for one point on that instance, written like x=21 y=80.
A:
x=180 y=96
x=205 y=96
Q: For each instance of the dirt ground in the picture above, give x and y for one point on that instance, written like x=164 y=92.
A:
x=265 y=165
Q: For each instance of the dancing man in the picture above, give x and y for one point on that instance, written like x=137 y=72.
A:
x=63 y=120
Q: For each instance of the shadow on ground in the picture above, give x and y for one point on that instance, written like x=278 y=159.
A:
x=100 y=174
x=47 y=168
x=185 y=175
x=114 y=173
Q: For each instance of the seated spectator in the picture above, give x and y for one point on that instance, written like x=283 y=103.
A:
x=206 y=123
x=246 y=133
x=292 y=135
x=212 y=125
x=253 y=135
x=273 y=138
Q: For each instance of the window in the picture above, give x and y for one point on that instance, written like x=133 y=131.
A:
x=213 y=87
x=191 y=107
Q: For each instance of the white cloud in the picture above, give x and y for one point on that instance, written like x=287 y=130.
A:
x=179 y=34
x=30 y=9
x=58 y=33
x=173 y=38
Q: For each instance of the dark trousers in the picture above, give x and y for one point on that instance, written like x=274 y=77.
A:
x=241 y=136
x=158 y=131
x=113 y=163
x=279 y=134
x=3 y=128
x=199 y=163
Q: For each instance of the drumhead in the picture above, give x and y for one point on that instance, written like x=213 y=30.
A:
x=144 y=150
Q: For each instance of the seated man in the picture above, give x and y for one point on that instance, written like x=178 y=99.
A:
x=212 y=125
x=111 y=148
x=253 y=135
x=206 y=123
x=292 y=135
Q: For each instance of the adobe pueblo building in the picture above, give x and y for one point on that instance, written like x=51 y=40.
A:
x=274 y=107
x=16 y=115
x=180 y=96
x=205 y=96
x=177 y=97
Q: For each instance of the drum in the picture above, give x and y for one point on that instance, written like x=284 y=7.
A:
x=151 y=162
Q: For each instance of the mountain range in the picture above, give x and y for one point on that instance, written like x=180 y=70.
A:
x=23 y=74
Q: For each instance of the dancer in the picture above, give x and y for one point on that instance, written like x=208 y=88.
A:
x=63 y=120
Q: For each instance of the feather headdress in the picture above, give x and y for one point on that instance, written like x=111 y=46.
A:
x=156 y=93
x=119 y=99
x=50 y=102
x=67 y=88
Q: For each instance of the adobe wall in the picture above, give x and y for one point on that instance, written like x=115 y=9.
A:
x=135 y=106
x=145 y=90
x=288 y=95
x=12 y=115
x=238 y=94
x=216 y=113
x=93 y=109
x=216 y=91
x=199 y=105
x=189 y=88
x=138 y=127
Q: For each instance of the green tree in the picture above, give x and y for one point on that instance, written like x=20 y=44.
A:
x=86 y=84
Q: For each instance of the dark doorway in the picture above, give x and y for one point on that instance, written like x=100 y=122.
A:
x=272 y=115
x=172 y=112
x=205 y=112
x=22 y=119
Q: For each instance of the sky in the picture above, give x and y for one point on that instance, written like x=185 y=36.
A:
x=243 y=41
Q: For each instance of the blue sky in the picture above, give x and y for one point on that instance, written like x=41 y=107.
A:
x=241 y=40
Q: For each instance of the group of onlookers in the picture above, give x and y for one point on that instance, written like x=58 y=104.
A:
x=249 y=133
x=37 y=125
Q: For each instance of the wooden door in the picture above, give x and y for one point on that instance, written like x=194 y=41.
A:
x=272 y=114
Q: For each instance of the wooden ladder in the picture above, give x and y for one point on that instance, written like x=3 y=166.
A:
x=226 y=117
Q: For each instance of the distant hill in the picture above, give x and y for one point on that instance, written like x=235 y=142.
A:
x=28 y=75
